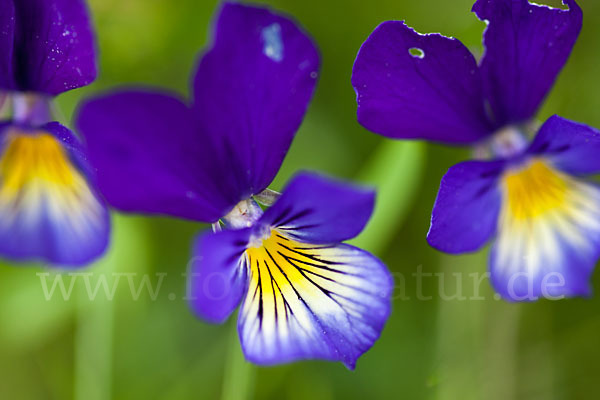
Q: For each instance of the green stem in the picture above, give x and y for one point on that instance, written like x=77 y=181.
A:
x=93 y=346
x=95 y=318
x=478 y=336
x=502 y=347
x=461 y=330
x=239 y=374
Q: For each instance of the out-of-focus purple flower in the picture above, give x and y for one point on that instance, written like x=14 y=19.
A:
x=49 y=208
x=545 y=217
x=531 y=197
x=304 y=293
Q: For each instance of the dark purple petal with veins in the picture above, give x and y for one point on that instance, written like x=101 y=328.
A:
x=316 y=209
x=46 y=46
x=526 y=46
x=417 y=86
x=251 y=91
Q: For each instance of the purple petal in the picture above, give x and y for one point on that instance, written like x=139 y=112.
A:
x=218 y=274
x=548 y=234
x=465 y=213
x=46 y=46
x=49 y=208
x=316 y=209
x=251 y=91
x=572 y=147
x=526 y=46
x=410 y=85
x=7 y=43
x=307 y=301
x=151 y=158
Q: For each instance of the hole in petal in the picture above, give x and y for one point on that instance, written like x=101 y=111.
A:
x=416 y=52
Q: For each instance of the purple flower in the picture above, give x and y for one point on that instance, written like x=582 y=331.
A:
x=532 y=198
x=304 y=293
x=49 y=209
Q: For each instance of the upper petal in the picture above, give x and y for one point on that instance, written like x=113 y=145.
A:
x=251 y=91
x=526 y=46
x=572 y=147
x=309 y=301
x=410 y=85
x=548 y=233
x=50 y=210
x=316 y=209
x=151 y=157
x=7 y=43
x=465 y=213
x=218 y=274
x=46 y=46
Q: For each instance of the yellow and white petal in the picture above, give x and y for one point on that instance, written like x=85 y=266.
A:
x=548 y=233
x=48 y=211
x=311 y=301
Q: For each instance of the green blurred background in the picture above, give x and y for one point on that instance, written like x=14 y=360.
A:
x=430 y=349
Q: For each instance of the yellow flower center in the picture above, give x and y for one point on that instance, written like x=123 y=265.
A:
x=37 y=176
x=31 y=158
x=534 y=190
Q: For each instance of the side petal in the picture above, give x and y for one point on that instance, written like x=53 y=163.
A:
x=150 y=157
x=465 y=212
x=49 y=207
x=548 y=234
x=310 y=301
x=251 y=91
x=316 y=209
x=413 y=86
x=526 y=46
x=218 y=274
x=572 y=147
x=53 y=47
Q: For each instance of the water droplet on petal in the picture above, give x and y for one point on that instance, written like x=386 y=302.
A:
x=273 y=47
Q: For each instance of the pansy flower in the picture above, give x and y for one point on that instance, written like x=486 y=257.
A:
x=545 y=218
x=303 y=293
x=49 y=209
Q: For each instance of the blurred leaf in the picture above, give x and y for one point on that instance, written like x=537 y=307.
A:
x=28 y=319
x=396 y=171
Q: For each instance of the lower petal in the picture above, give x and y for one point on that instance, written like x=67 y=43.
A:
x=312 y=302
x=48 y=210
x=549 y=234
